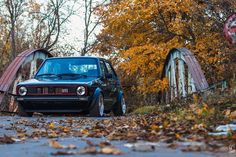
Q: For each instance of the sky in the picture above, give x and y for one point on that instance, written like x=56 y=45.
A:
x=75 y=27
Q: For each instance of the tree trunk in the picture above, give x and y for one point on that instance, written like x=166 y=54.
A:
x=12 y=39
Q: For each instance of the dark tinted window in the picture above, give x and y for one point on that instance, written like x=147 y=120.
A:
x=110 y=69
x=103 y=68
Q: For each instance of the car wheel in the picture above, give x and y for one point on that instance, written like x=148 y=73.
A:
x=98 y=108
x=22 y=113
x=120 y=107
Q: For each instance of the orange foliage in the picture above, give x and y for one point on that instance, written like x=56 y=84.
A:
x=138 y=34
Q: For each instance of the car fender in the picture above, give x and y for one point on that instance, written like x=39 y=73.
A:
x=119 y=96
x=95 y=97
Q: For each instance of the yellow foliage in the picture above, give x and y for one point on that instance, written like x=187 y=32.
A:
x=155 y=127
x=195 y=99
x=51 y=125
x=177 y=136
x=140 y=33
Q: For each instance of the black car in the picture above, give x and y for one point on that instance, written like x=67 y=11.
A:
x=72 y=84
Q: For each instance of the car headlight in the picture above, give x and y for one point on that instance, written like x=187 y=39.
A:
x=81 y=90
x=22 y=91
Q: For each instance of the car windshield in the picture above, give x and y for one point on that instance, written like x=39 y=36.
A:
x=69 y=67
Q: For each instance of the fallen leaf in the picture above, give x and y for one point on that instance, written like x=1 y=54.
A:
x=71 y=146
x=192 y=148
x=172 y=145
x=64 y=153
x=16 y=139
x=53 y=134
x=89 y=143
x=84 y=131
x=154 y=127
x=177 y=136
x=57 y=145
x=51 y=125
x=104 y=144
x=6 y=140
x=110 y=150
x=89 y=150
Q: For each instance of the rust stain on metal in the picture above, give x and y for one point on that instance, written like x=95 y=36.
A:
x=10 y=73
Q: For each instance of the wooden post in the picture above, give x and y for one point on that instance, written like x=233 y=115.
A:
x=33 y=68
x=181 y=80
x=173 y=79
x=169 y=91
x=189 y=83
x=191 y=86
x=12 y=104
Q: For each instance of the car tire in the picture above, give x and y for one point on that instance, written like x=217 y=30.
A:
x=120 y=107
x=22 y=113
x=98 y=108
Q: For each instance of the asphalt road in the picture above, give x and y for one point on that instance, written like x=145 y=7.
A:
x=39 y=147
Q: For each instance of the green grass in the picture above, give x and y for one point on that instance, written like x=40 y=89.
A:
x=145 y=110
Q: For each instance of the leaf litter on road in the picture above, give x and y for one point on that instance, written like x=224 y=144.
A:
x=103 y=147
x=133 y=128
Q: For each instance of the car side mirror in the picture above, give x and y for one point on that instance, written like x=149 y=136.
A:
x=109 y=76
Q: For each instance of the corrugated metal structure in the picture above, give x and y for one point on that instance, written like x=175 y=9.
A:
x=184 y=74
x=21 y=68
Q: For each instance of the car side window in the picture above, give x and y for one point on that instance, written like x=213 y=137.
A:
x=110 y=69
x=103 y=68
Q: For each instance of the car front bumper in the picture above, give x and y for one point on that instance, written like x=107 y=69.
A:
x=54 y=103
x=52 y=98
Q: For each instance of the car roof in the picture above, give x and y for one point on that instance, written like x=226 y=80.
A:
x=85 y=57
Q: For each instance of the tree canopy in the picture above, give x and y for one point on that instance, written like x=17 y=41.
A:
x=138 y=34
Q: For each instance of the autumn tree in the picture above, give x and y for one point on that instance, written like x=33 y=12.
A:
x=138 y=34
x=14 y=9
x=4 y=43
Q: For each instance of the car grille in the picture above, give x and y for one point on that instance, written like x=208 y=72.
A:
x=51 y=90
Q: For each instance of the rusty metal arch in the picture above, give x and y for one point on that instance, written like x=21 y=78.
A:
x=184 y=74
x=15 y=72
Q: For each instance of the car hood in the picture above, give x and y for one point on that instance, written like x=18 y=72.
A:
x=88 y=81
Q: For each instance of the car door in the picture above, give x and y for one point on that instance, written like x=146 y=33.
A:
x=113 y=81
x=106 y=86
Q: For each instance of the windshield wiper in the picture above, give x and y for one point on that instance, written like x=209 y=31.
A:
x=72 y=75
x=47 y=74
